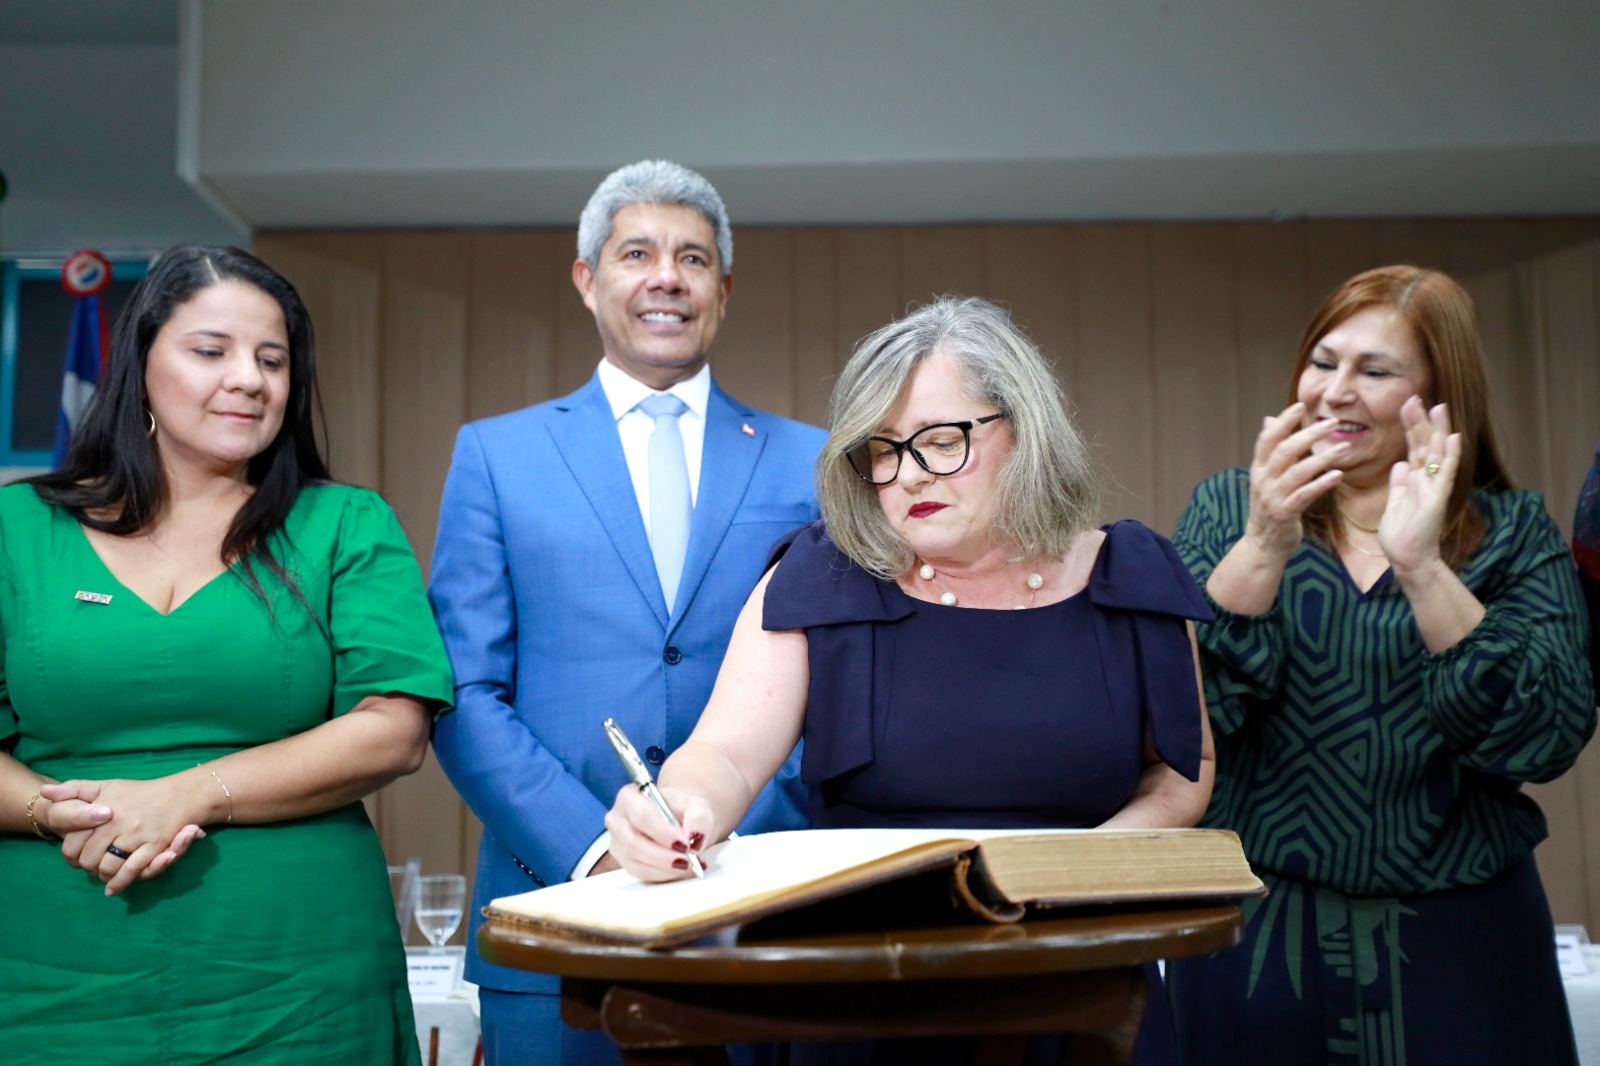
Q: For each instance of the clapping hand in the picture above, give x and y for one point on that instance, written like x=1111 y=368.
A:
x=1419 y=487
x=1286 y=476
x=88 y=836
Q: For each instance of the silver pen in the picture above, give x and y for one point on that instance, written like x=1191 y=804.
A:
x=639 y=774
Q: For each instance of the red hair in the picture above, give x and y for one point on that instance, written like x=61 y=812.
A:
x=1442 y=321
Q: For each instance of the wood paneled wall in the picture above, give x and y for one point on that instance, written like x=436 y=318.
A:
x=1171 y=339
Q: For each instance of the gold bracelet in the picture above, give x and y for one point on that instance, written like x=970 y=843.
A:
x=225 y=791
x=33 y=823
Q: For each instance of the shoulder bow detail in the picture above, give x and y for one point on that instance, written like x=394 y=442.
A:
x=818 y=585
x=819 y=589
x=1145 y=595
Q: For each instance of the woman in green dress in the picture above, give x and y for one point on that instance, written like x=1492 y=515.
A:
x=211 y=653
x=1399 y=645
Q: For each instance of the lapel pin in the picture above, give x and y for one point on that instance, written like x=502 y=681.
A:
x=745 y=428
x=93 y=597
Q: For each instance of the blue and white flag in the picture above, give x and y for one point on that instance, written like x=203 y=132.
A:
x=83 y=371
x=85 y=274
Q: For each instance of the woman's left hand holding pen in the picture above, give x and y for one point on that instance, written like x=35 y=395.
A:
x=646 y=844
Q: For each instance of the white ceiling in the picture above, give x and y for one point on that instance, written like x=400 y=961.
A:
x=504 y=112
x=305 y=113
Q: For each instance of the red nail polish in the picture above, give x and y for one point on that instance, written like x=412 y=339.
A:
x=696 y=840
x=680 y=847
x=680 y=864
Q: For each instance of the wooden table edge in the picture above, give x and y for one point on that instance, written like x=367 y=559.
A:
x=1038 y=945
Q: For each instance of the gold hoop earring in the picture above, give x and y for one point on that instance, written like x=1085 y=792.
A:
x=151 y=432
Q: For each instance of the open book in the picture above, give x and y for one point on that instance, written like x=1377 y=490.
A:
x=996 y=874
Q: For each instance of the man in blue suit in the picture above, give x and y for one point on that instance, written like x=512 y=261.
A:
x=563 y=584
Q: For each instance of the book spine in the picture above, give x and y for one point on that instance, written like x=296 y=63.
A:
x=974 y=890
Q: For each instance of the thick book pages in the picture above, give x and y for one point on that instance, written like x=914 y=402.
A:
x=998 y=874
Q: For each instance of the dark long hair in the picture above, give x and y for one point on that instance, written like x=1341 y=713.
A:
x=113 y=480
x=1442 y=320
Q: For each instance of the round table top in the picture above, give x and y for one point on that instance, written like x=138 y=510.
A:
x=741 y=956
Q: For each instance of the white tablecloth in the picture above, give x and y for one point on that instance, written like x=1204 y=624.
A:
x=1583 y=1000
x=455 y=1017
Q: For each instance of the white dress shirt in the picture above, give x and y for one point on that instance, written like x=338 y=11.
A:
x=634 y=426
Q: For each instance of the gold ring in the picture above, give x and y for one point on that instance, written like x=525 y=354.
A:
x=1432 y=470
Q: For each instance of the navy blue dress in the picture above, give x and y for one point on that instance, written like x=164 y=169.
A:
x=921 y=715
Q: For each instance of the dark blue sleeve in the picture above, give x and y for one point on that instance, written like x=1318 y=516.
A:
x=1145 y=595
x=818 y=585
x=818 y=589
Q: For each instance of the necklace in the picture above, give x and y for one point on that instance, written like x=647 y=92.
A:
x=1035 y=582
x=1346 y=516
x=1379 y=554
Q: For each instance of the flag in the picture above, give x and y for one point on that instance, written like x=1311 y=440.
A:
x=83 y=370
x=85 y=275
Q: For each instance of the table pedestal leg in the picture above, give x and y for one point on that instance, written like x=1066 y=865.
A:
x=652 y=1023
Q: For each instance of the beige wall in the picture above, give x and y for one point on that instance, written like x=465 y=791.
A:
x=1172 y=340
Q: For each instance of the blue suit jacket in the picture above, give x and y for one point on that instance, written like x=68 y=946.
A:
x=546 y=594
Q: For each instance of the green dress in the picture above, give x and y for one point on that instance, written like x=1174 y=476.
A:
x=273 y=943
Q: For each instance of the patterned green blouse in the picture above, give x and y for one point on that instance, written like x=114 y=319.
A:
x=1350 y=756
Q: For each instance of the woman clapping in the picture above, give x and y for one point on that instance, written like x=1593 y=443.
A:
x=1398 y=647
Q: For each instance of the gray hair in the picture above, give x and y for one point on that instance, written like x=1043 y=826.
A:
x=652 y=181
x=1047 y=492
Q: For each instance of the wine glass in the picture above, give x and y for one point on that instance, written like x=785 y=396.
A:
x=440 y=900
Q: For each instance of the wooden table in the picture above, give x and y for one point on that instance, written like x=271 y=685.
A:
x=775 y=982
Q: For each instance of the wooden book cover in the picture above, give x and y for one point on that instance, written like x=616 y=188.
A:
x=998 y=874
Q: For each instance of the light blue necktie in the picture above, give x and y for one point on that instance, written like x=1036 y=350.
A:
x=670 y=505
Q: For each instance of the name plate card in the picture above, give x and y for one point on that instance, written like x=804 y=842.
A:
x=1569 y=956
x=434 y=973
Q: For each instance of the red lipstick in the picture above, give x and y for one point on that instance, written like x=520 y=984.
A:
x=923 y=510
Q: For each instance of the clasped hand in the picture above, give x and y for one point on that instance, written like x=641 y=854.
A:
x=646 y=844
x=146 y=819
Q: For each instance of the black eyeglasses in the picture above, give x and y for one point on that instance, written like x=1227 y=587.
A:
x=941 y=450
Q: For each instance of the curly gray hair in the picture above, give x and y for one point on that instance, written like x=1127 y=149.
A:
x=651 y=181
